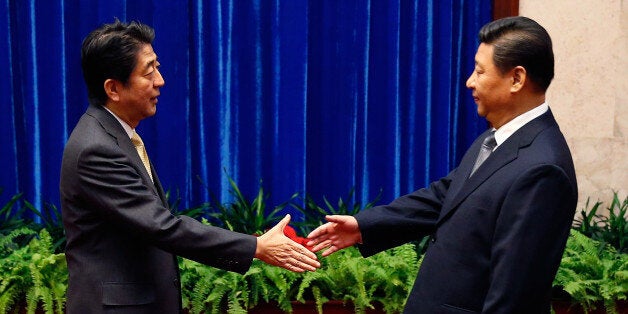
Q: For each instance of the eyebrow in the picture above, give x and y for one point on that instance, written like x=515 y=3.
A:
x=150 y=64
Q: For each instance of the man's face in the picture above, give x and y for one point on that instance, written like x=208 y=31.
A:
x=138 y=96
x=490 y=88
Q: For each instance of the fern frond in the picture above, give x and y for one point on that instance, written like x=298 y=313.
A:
x=592 y=271
x=8 y=298
x=307 y=283
x=235 y=306
x=319 y=299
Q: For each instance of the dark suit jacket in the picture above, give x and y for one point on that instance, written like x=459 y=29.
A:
x=121 y=237
x=497 y=237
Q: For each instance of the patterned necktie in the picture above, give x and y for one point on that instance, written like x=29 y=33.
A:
x=139 y=146
x=487 y=148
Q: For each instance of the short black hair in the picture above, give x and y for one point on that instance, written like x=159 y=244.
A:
x=520 y=41
x=110 y=52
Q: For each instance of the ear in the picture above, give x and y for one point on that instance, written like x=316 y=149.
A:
x=112 y=88
x=519 y=76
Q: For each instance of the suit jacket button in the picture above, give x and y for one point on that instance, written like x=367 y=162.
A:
x=176 y=282
x=433 y=239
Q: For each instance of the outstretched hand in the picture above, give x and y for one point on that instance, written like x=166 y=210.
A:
x=274 y=248
x=339 y=232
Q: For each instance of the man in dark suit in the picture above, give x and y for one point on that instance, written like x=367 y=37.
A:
x=121 y=236
x=497 y=234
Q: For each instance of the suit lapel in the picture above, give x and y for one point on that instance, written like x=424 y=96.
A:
x=463 y=185
x=158 y=187
x=113 y=128
x=462 y=172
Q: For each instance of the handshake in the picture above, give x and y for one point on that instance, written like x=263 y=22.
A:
x=277 y=249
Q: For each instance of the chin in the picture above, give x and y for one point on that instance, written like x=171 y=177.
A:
x=481 y=113
x=153 y=111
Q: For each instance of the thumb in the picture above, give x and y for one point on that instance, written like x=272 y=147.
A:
x=282 y=224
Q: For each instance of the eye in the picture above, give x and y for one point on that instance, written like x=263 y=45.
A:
x=153 y=69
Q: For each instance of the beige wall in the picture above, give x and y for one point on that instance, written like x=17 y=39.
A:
x=589 y=93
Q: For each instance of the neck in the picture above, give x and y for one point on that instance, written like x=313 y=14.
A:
x=521 y=105
x=117 y=110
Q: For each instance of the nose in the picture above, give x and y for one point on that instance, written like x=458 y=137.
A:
x=470 y=81
x=159 y=79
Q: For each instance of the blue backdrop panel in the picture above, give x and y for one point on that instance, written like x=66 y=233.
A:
x=314 y=97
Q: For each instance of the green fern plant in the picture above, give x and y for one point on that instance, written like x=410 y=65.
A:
x=12 y=283
x=384 y=278
x=392 y=275
x=33 y=275
x=591 y=271
x=211 y=290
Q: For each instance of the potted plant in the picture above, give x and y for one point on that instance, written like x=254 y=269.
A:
x=594 y=276
x=357 y=285
x=34 y=277
x=611 y=228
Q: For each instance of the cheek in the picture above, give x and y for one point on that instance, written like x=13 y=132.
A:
x=480 y=87
x=486 y=86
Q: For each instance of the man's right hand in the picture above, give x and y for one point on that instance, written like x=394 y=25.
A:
x=339 y=232
x=274 y=248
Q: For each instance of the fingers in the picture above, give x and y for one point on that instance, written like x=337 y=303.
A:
x=320 y=231
x=336 y=218
x=339 y=232
x=298 y=268
x=300 y=260
x=306 y=264
x=309 y=254
x=322 y=236
x=276 y=249
x=330 y=250
x=308 y=258
x=321 y=245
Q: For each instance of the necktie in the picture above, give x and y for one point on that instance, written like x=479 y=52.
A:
x=488 y=145
x=139 y=146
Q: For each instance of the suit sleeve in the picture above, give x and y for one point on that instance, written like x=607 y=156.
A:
x=407 y=218
x=110 y=183
x=530 y=236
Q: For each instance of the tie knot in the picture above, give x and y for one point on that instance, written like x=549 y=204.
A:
x=489 y=141
x=137 y=140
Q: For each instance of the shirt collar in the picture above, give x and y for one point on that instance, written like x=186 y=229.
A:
x=127 y=128
x=508 y=129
